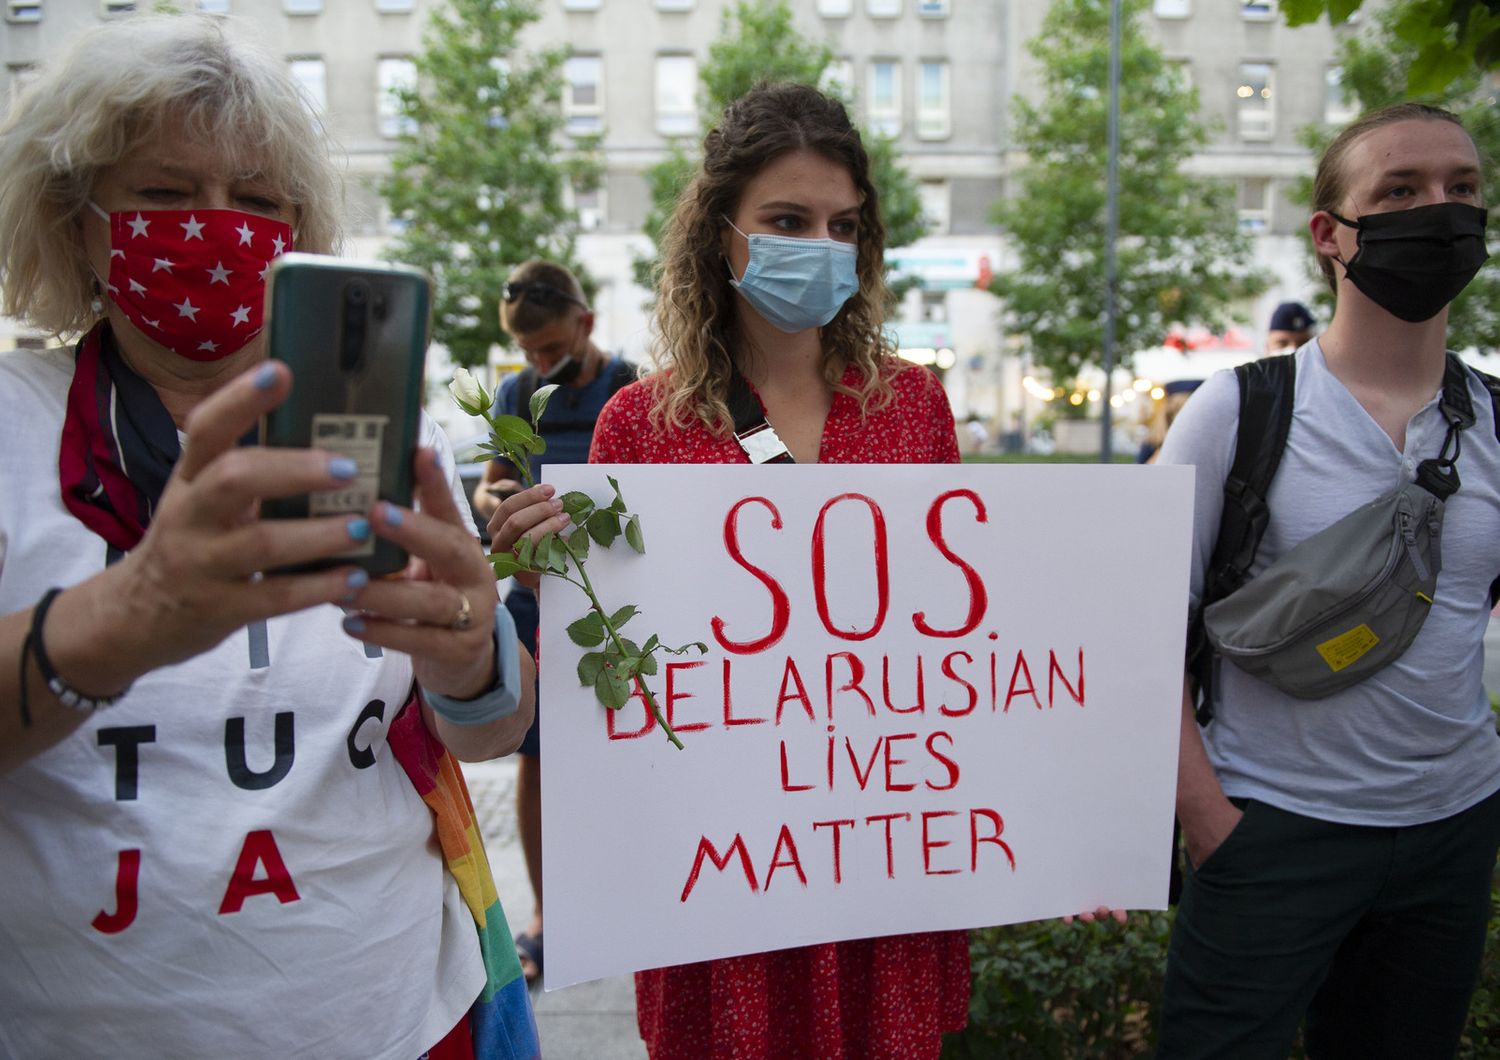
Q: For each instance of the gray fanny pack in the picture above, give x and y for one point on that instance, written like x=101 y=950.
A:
x=1350 y=599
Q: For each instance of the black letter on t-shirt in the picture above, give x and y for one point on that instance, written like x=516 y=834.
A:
x=126 y=740
x=234 y=754
x=363 y=757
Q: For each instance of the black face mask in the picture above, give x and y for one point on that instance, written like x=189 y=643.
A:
x=564 y=371
x=1413 y=262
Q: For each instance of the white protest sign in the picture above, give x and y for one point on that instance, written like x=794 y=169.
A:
x=934 y=697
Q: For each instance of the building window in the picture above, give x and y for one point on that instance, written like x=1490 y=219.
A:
x=933 y=121
x=19 y=11
x=111 y=8
x=1338 y=108
x=932 y=8
x=884 y=107
x=1255 y=203
x=676 y=95
x=674 y=5
x=1259 y=10
x=302 y=7
x=1254 y=103
x=883 y=8
x=217 y=7
x=312 y=75
x=587 y=203
x=935 y=206
x=583 y=94
x=580 y=5
x=1172 y=8
x=394 y=7
x=837 y=78
x=20 y=75
x=835 y=8
x=393 y=76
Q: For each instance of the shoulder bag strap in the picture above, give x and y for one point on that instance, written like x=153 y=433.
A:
x=751 y=428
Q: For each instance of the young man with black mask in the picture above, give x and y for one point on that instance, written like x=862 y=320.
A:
x=1340 y=849
x=542 y=307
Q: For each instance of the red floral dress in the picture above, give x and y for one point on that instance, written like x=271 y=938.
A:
x=884 y=998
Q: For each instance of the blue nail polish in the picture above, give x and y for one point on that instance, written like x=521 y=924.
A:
x=393 y=514
x=359 y=530
x=354 y=624
x=359 y=577
x=265 y=377
x=342 y=467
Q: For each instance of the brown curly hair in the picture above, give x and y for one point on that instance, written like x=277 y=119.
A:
x=696 y=330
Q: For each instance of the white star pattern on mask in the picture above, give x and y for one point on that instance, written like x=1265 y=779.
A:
x=279 y=244
x=246 y=233
x=219 y=274
x=138 y=226
x=154 y=323
x=116 y=253
x=208 y=346
x=161 y=263
x=241 y=315
x=188 y=310
x=192 y=228
x=137 y=288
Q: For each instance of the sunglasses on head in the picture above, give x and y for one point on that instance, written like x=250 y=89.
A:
x=542 y=294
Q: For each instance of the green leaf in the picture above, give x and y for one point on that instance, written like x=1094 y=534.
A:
x=526 y=551
x=539 y=399
x=589 y=667
x=537 y=446
x=578 y=541
x=651 y=644
x=647 y=665
x=588 y=631
x=633 y=534
x=622 y=616
x=505 y=565
x=512 y=432
x=579 y=506
x=604 y=527
x=612 y=689
x=557 y=555
x=618 y=504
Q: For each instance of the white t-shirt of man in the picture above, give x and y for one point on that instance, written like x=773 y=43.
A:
x=1414 y=742
x=229 y=862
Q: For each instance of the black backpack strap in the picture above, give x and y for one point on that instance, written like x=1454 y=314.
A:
x=1267 y=394
x=621 y=377
x=1492 y=384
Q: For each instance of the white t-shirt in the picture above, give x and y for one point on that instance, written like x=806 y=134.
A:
x=1414 y=742
x=288 y=895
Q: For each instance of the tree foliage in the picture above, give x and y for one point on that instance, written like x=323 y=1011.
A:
x=758 y=42
x=1375 y=65
x=1181 y=257
x=1447 y=39
x=477 y=183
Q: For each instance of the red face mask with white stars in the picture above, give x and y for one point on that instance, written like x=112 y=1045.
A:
x=193 y=281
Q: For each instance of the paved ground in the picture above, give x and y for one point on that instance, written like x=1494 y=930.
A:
x=591 y=1021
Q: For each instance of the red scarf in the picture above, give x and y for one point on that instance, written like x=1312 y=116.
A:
x=118 y=444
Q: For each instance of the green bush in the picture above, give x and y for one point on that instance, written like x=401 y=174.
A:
x=1053 y=991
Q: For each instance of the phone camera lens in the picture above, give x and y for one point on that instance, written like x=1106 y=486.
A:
x=357 y=294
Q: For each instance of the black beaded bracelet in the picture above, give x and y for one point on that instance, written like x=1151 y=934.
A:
x=65 y=693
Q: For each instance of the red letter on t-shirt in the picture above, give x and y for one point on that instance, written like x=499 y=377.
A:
x=259 y=848
x=127 y=897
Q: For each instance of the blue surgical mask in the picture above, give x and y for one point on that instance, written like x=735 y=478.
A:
x=795 y=283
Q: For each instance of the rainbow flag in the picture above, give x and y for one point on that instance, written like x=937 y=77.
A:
x=501 y=1019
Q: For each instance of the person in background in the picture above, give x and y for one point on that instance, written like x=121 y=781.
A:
x=543 y=309
x=1291 y=326
x=1340 y=850
x=1163 y=412
x=230 y=817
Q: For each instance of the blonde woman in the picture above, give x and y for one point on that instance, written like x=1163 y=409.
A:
x=213 y=842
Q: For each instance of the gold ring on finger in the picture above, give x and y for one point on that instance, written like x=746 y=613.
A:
x=465 y=617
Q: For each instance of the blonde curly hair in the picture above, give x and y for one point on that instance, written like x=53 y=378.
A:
x=112 y=91
x=696 y=333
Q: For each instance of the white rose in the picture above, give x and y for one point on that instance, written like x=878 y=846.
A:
x=469 y=394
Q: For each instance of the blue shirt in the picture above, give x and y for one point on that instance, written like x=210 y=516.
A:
x=568 y=423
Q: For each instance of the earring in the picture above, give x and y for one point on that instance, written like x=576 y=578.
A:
x=96 y=305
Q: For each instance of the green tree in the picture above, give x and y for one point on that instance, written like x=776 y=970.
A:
x=477 y=183
x=1447 y=39
x=1375 y=65
x=758 y=42
x=1181 y=256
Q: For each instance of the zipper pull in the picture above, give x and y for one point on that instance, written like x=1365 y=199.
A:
x=1409 y=535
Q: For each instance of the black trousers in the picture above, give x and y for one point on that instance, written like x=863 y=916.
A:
x=1373 y=934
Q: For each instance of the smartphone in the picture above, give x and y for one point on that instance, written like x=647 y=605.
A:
x=355 y=335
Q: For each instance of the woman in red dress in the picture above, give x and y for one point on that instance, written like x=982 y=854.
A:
x=772 y=274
